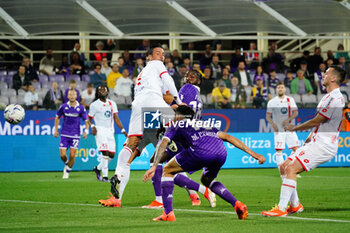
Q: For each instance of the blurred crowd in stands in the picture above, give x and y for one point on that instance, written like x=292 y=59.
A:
x=244 y=82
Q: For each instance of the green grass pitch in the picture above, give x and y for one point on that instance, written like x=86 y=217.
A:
x=50 y=204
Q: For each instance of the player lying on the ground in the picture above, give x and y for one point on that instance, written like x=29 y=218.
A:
x=71 y=111
x=320 y=147
x=104 y=112
x=203 y=148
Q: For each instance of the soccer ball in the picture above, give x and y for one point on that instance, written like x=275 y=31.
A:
x=14 y=113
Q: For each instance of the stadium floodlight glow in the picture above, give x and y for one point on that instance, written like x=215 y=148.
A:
x=204 y=28
x=280 y=18
x=12 y=23
x=97 y=15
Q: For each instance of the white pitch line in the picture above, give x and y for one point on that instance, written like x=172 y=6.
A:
x=182 y=210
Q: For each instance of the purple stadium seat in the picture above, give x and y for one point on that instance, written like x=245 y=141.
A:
x=3 y=85
x=13 y=99
x=42 y=93
x=91 y=72
x=11 y=72
x=43 y=78
x=9 y=81
x=85 y=78
x=4 y=99
x=20 y=99
x=73 y=76
x=21 y=92
x=3 y=72
x=9 y=92
x=63 y=86
x=57 y=78
x=46 y=85
x=36 y=85
x=280 y=76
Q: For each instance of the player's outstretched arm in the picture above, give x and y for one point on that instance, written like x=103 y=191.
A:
x=240 y=145
x=316 y=121
x=158 y=157
x=57 y=121
x=119 y=124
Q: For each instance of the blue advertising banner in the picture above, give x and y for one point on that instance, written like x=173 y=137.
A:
x=40 y=153
x=232 y=120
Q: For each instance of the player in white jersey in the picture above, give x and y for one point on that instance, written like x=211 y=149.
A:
x=283 y=110
x=320 y=146
x=104 y=112
x=148 y=94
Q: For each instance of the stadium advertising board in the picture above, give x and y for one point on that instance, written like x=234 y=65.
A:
x=40 y=153
x=241 y=120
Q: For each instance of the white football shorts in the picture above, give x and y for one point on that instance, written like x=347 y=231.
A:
x=311 y=155
x=281 y=138
x=136 y=125
x=105 y=140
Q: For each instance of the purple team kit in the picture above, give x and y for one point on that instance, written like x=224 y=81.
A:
x=70 y=132
x=190 y=95
x=201 y=148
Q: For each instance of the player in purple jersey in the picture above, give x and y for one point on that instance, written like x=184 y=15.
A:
x=203 y=148
x=71 y=111
x=190 y=92
x=190 y=95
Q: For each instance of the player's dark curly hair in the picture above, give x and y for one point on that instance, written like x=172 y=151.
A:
x=195 y=72
x=96 y=92
x=185 y=111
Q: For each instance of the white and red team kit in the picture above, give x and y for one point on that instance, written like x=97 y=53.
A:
x=281 y=110
x=150 y=83
x=103 y=115
x=324 y=141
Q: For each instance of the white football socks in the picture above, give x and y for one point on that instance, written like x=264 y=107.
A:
x=123 y=169
x=104 y=166
x=287 y=189
x=279 y=159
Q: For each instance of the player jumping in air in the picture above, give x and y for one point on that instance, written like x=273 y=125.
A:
x=283 y=110
x=320 y=146
x=203 y=148
x=71 y=111
x=148 y=94
x=104 y=112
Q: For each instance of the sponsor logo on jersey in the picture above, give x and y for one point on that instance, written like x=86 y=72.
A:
x=284 y=110
x=107 y=114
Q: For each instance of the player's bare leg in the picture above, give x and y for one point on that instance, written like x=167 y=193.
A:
x=289 y=186
x=63 y=155
x=64 y=158
x=218 y=188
